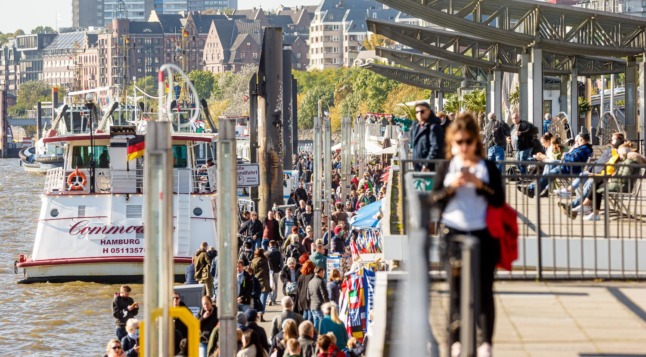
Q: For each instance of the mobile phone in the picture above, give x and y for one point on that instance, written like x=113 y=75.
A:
x=465 y=170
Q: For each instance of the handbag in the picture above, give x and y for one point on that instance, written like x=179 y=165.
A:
x=290 y=288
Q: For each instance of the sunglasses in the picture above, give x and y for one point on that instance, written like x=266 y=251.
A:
x=468 y=141
x=116 y=347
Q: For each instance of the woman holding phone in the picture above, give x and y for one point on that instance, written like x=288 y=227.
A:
x=463 y=189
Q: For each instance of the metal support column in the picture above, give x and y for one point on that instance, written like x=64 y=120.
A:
x=3 y=124
x=39 y=120
x=612 y=94
x=523 y=108
x=54 y=102
x=573 y=101
x=227 y=232
x=495 y=86
x=270 y=128
x=158 y=238
x=630 y=126
x=602 y=97
x=287 y=107
x=563 y=87
x=316 y=177
x=327 y=170
x=294 y=116
x=535 y=88
x=253 y=129
x=642 y=103
x=346 y=169
x=439 y=101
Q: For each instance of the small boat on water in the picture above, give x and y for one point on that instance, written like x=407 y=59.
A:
x=90 y=226
x=36 y=160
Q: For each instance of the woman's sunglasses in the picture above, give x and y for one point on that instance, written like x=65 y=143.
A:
x=116 y=347
x=468 y=141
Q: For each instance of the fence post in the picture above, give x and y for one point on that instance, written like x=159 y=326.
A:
x=470 y=291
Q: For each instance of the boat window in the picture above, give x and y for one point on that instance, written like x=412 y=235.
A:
x=82 y=155
x=180 y=159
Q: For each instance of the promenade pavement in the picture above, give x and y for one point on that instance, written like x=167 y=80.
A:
x=584 y=319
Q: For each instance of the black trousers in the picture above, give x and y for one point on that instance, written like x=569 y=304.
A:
x=489 y=256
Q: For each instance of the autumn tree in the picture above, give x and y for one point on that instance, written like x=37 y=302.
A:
x=376 y=40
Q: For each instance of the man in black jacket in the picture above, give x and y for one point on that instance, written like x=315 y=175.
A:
x=496 y=134
x=123 y=308
x=427 y=137
x=245 y=287
x=253 y=228
x=521 y=138
x=275 y=265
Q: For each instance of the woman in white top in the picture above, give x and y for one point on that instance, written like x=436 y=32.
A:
x=463 y=188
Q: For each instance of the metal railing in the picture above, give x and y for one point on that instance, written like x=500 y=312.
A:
x=553 y=244
x=201 y=180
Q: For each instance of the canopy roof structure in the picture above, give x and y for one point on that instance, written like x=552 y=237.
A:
x=413 y=78
x=487 y=55
x=524 y=23
x=433 y=66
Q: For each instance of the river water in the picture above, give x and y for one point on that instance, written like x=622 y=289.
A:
x=44 y=319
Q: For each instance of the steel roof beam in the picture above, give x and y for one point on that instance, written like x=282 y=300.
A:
x=433 y=66
x=556 y=28
x=413 y=78
x=473 y=52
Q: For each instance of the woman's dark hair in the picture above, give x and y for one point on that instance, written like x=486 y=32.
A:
x=259 y=253
x=467 y=123
x=548 y=137
x=252 y=339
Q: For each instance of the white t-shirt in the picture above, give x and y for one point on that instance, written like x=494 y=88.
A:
x=466 y=210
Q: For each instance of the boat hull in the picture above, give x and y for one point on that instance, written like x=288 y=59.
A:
x=104 y=270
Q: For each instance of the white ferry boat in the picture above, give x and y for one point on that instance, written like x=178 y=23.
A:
x=90 y=226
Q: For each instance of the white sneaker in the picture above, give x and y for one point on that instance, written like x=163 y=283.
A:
x=484 y=350
x=586 y=209
x=592 y=217
x=456 y=349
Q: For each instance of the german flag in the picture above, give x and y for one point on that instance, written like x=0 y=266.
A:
x=136 y=147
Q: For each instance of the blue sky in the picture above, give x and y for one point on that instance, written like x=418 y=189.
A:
x=27 y=14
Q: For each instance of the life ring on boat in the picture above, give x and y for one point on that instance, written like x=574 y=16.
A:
x=76 y=181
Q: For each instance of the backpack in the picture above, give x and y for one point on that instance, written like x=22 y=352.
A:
x=293 y=251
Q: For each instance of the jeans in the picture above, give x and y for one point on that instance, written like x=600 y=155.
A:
x=202 y=351
x=120 y=332
x=497 y=153
x=273 y=283
x=265 y=244
x=317 y=316
x=263 y=301
x=542 y=181
x=257 y=243
x=243 y=307
x=523 y=155
x=307 y=315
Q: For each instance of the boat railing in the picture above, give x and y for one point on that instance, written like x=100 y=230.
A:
x=109 y=181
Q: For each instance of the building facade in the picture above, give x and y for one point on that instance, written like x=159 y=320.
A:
x=338 y=30
x=32 y=49
x=178 y=6
x=9 y=67
x=63 y=59
x=87 y=13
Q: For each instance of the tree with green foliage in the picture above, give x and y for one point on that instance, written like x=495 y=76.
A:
x=42 y=29
x=29 y=94
x=18 y=32
x=308 y=108
x=229 y=95
x=376 y=40
x=475 y=101
x=452 y=103
x=203 y=82
x=148 y=85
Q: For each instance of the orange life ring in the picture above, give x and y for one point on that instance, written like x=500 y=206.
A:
x=76 y=181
